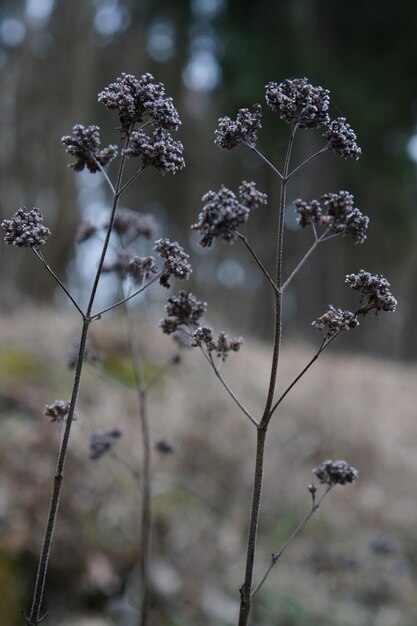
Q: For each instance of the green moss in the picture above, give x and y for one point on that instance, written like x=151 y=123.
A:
x=120 y=367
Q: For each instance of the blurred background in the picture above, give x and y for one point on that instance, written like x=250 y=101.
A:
x=215 y=56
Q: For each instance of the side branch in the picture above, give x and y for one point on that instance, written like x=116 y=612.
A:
x=97 y=316
x=229 y=391
x=280 y=552
x=258 y=261
x=60 y=283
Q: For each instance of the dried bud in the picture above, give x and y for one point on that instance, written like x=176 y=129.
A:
x=298 y=102
x=335 y=212
x=222 y=213
x=84 y=145
x=25 y=229
x=336 y=320
x=250 y=196
x=57 y=411
x=342 y=139
x=375 y=289
x=203 y=337
x=182 y=310
x=134 y=98
x=159 y=151
x=176 y=261
x=103 y=442
x=336 y=473
x=242 y=130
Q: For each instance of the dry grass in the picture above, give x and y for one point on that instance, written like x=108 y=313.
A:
x=360 y=409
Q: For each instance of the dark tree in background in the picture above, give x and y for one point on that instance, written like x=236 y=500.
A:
x=216 y=56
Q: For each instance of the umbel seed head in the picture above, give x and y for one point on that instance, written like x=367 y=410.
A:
x=25 y=229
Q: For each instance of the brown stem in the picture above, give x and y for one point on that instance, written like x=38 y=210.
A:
x=245 y=592
x=34 y=616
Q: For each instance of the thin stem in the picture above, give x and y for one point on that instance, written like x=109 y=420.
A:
x=310 y=158
x=130 y=180
x=267 y=161
x=280 y=552
x=34 y=618
x=258 y=261
x=245 y=591
x=304 y=259
x=229 y=391
x=103 y=171
x=60 y=283
x=324 y=344
x=109 y=230
x=124 y=300
x=39 y=588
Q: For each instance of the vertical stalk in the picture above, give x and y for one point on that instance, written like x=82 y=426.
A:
x=34 y=616
x=38 y=594
x=245 y=591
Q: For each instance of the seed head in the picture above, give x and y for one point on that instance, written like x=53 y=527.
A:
x=135 y=98
x=183 y=311
x=374 y=288
x=203 y=338
x=176 y=261
x=164 y=446
x=336 y=473
x=241 y=130
x=57 y=411
x=158 y=150
x=84 y=145
x=298 y=102
x=222 y=213
x=336 y=213
x=135 y=224
x=25 y=229
x=86 y=230
x=342 y=139
x=335 y=320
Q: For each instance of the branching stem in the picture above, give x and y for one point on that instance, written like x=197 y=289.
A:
x=258 y=261
x=280 y=552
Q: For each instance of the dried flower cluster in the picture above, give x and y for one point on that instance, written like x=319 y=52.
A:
x=203 y=338
x=183 y=311
x=136 y=98
x=86 y=231
x=103 y=442
x=128 y=265
x=158 y=150
x=336 y=213
x=176 y=261
x=25 y=229
x=57 y=411
x=134 y=224
x=342 y=139
x=92 y=355
x=223 y=213
x=298 y=102
x=375 y=289
x=336 y=473
x=241 y=130
x=336 y=320
x=84 y=145
x=164 y=446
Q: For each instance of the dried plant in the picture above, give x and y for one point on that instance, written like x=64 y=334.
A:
x=147 y=118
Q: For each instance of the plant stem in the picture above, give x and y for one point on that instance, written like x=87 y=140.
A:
x=280 y=552
x=304 y=259
x=34 y=616
x=124 y=300
x=310 y=158
x=229 y=391
x=245 y=591
x=60 y=283
x=38 y=594
x=258 y=261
